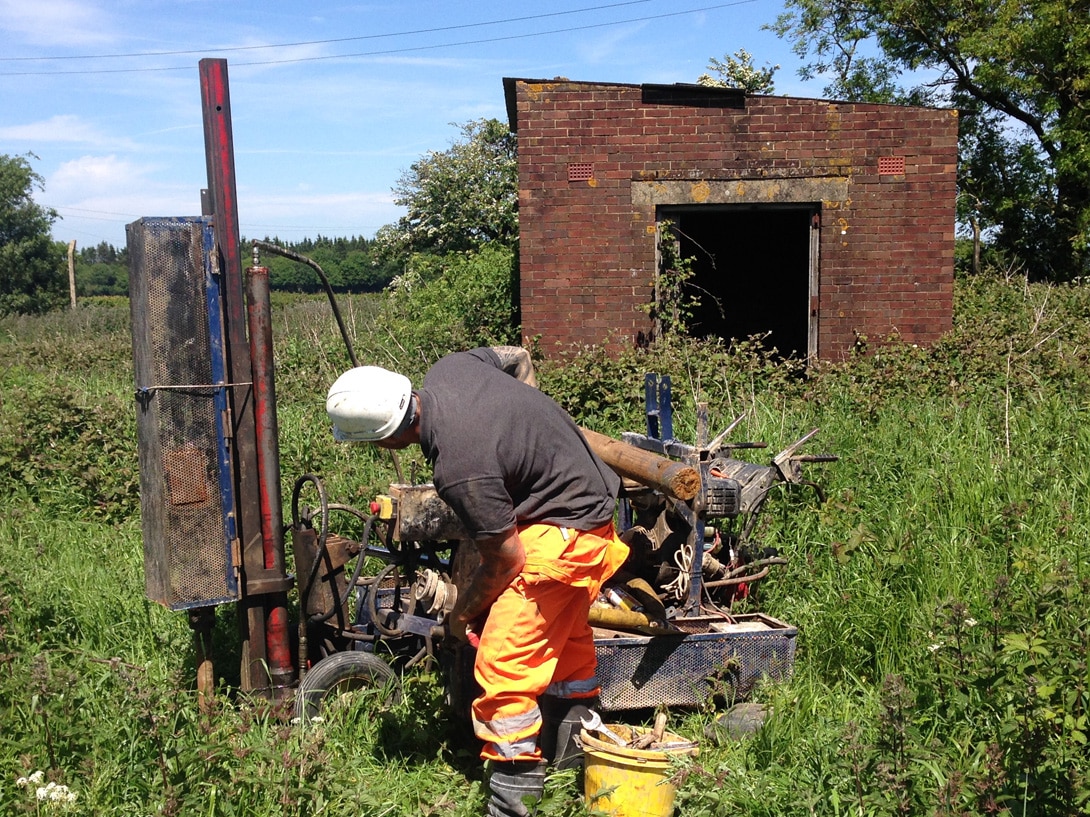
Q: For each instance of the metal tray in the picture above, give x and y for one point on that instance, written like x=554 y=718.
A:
x=712 y=656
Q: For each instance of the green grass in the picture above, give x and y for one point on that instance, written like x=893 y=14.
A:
x=940 y=591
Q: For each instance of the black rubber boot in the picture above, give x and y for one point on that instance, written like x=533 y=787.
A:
x=516 y=786
x=561 y=721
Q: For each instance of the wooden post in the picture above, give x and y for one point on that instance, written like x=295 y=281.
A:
x=669 y=476
x=72 y=271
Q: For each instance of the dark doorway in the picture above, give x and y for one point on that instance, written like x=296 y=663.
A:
x=752 y=268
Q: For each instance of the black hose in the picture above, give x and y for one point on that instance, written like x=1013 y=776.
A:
x=276 y=249
x=372 y=605
x=319 y=618
x=312 y=576
x=323 y=550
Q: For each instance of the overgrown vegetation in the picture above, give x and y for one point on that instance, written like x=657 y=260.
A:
x=940 y=591
x=459 y=199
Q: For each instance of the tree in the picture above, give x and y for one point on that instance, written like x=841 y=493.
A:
x=738 y=71
x=459 y=199
x=441 y=304
x=350 y=265
x=32 y=269
x=1020 y=71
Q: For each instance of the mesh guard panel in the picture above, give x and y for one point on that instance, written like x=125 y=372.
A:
x=186 y=553
x=641 y=672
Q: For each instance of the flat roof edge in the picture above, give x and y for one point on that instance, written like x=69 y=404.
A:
x=679 y=93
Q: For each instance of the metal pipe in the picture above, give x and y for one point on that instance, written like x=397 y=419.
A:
x=277 y=638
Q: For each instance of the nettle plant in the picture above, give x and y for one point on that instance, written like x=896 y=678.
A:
x=1017 y=672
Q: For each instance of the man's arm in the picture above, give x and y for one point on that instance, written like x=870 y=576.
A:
x=502 y=558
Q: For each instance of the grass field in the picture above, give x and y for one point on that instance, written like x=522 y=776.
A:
x=940 y=592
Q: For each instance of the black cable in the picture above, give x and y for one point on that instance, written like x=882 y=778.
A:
x=292 y=255
x=304 y=591
x=387 y=52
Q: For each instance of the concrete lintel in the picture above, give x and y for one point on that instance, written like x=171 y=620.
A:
x=740 y=191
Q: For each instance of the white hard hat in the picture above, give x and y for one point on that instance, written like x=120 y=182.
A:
x=368 y=403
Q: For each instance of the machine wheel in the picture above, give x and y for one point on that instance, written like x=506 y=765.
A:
x=346 y=673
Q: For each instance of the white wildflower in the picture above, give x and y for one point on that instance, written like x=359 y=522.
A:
x=37 y=777
x=934 y=647
x=970 y=622
x=55 y=793
x=22 y=782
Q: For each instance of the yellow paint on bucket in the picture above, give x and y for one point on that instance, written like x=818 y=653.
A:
x=626 y=782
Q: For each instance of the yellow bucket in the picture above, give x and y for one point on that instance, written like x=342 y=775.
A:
x=626 y=782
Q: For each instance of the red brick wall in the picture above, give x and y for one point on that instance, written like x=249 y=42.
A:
x=587 y=247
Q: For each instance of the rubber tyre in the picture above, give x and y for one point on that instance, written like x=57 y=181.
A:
x=345 y=673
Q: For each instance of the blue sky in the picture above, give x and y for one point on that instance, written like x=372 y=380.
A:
x=331 y=102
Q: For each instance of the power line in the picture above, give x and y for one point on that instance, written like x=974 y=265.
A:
x=329 y=42
x=388 y=52
x=60 y=207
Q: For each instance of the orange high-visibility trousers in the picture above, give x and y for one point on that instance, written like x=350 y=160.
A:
x=536 y=638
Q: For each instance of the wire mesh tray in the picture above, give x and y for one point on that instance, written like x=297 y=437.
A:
x=711 y=656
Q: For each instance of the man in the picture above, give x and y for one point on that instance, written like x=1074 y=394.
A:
x=539 y=506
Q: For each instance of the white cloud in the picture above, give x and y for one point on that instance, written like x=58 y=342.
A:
x=66 y=128
x=612 y=46
x=55 y=22
x=294 y=215
x=95 y=176
x=96 y=196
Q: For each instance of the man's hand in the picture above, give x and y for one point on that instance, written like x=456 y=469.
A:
x=466 y=633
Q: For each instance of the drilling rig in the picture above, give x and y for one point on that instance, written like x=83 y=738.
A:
x=372 y=606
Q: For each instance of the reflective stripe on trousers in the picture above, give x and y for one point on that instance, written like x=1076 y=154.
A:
x=536 y=637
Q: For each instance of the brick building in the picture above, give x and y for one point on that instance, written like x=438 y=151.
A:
x=813 y=221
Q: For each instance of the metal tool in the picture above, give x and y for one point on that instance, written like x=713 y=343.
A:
x=593 y=723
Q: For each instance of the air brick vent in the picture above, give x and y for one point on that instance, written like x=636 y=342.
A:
x=580 y=171
x=891 y=166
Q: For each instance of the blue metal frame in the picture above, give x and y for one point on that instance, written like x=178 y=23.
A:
x=660 y=428
x=659 y=406
x=219 y=380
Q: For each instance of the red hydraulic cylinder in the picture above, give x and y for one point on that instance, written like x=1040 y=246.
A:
x=277 y=625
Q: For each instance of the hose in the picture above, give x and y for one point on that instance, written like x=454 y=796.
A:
x=304 y=591
x=319 y=619
x=372 y=603
x=322 y=550
x=276 y=249
x=312 y=576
